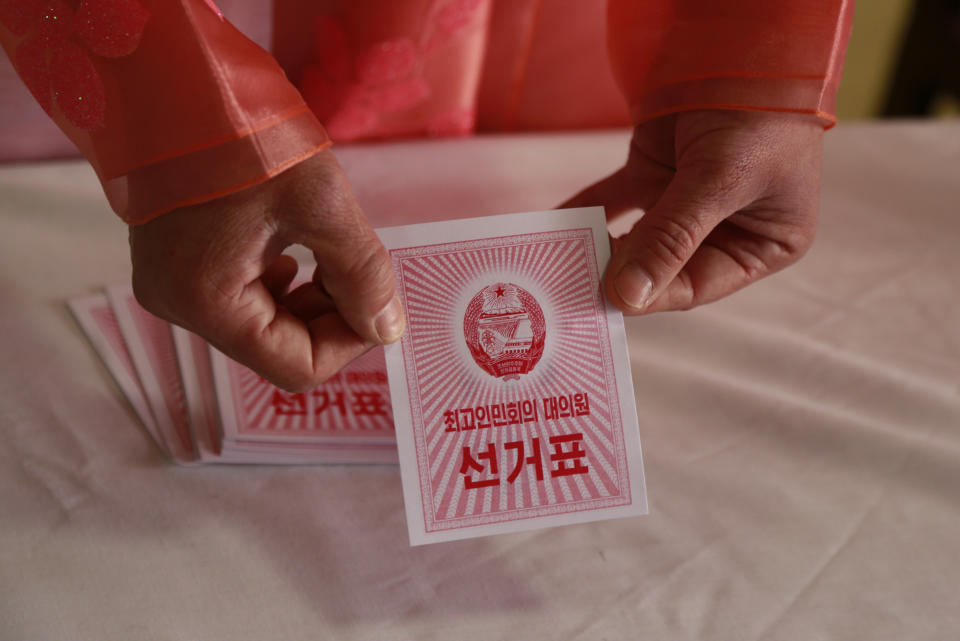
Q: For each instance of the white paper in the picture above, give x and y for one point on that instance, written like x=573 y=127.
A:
x=441 y=276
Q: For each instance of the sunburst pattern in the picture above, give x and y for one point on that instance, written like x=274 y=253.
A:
x=336 y=410
x=105 y=318
x=158 y=344
x=560 y=270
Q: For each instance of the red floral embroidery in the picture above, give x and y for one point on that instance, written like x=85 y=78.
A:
x=351 y=91
x=53 y=57
x=451 y=19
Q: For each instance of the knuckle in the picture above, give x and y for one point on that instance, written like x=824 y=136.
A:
x=781 y=254
x=369 y=262
x=795 y=242
x=673 y=240
x=754 y=267
x=291 y=376
x=367 y=273
x=304 y=375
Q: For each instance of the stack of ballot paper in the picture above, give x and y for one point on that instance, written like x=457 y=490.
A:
x=509 y=401
x=200 y=406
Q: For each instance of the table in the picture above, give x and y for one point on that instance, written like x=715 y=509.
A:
x=801 y=439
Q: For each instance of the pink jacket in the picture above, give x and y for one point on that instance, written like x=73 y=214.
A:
x=173 y=106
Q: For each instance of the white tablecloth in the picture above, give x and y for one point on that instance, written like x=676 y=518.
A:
x=801 y=440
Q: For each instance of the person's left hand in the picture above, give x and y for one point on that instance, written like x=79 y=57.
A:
x=729 y=197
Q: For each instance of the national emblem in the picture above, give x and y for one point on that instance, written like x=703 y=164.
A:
x=505 y=330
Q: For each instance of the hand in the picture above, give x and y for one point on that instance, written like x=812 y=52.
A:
x=729 y=197
x=217 y=270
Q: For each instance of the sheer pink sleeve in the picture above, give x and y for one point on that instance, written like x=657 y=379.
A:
x=676 y=55
x=169 y=102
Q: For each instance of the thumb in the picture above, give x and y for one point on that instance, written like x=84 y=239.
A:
x=353 y=267
x=358 y=276
x=658 y=247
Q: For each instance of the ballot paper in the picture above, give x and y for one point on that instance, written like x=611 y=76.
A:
x=150 y=344
x=512 y=394
x=177 y=385
x=346 y=420
x=196 y=372
x=98 y=322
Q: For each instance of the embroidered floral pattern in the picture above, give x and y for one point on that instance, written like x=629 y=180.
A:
x=54 y=56
x=452 y=18
x=350 y=91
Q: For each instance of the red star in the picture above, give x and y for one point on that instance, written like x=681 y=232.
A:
x=499 y=290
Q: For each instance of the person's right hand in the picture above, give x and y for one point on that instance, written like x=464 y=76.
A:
x=730 y=196
x=217 y=269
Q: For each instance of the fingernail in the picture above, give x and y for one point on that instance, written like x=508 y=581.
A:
x=389 y=322
x=634 y=285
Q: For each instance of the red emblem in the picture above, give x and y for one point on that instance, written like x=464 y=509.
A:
x=505 y=330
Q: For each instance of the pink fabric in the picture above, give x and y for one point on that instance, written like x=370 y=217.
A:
x=749 y=54
x=27 y=133
x=163 y=126
x=382 y=68
x=173 y=106
x=531 y=64
x=546 y=67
